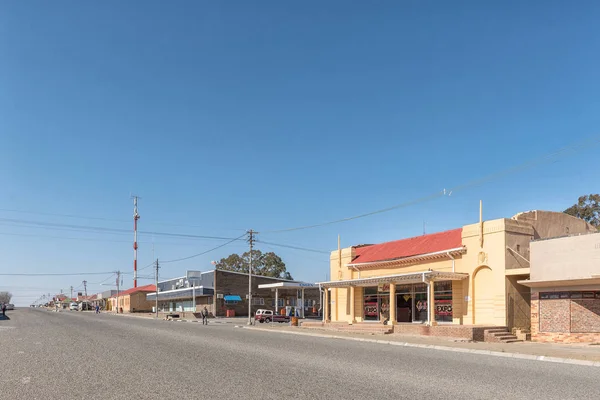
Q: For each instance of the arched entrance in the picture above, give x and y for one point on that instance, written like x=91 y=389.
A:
x=483 y=297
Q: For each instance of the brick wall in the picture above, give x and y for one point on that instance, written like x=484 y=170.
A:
x=565 y=320
x=555 y=315
x=138 y=303
x=468 y=332
x=585 y=316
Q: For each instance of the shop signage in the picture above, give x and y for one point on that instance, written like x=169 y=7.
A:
x=568 y=295
x=443 y=307
x=383 y=287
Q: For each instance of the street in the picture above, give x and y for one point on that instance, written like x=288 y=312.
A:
x=76 y=355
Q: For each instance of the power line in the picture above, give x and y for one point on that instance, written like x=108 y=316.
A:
x=58 y=274
x=98 y=283
x=204 y=252
x=102 y=218
x=553 y=156
x=294 y=247
x=99 y=229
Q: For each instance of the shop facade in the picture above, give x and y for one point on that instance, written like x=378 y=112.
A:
x=565 y=289
x=465 y=276
x=225 y=293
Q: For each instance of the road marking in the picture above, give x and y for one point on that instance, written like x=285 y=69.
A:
x=20 y=352
x=38 y=343
x=25 y=380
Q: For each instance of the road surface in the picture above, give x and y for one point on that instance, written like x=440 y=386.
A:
x=75 y=355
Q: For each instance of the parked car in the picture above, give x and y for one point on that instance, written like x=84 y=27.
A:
x=10 y=307
x=74 y=307
x=267 y=316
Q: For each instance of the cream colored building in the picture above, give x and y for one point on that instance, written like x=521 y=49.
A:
x=465 y=276
x=565 y=289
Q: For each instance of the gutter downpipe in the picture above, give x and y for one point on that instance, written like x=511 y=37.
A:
x=321 y=302
x=428 y=289
x=452 y=258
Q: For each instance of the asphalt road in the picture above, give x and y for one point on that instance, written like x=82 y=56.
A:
x=74 y=355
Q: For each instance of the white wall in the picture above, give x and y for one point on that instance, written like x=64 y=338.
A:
x=565 y=258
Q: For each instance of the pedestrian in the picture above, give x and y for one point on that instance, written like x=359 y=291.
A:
x=97 y=309
x=3 y=310
x=204 y=316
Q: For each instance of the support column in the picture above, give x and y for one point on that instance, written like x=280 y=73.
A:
x=431 y=304
x=352 y=316
x=303 y=303
x=393 y=318
x=325 y=305
x=276 y=301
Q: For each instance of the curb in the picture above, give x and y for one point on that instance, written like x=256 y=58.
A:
x=520 y=356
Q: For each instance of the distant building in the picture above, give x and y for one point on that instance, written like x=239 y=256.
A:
x=134 y=299
x=225 y=293
x=565 y=289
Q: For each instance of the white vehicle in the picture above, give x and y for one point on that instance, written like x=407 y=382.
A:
x=10 y=307
x=73 y=307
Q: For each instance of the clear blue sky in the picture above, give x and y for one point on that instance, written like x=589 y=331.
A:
x=225 y=116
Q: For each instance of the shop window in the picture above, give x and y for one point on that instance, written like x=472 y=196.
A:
x=258 y=301
x=370 y=304
x=443 y=301
x=279 y=302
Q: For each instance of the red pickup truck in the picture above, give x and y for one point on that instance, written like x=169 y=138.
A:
x=267 y=316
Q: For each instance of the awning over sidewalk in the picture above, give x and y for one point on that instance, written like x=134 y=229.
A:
x=181 y=294
x=289 y=285
x=415 y=277
x=593 y=280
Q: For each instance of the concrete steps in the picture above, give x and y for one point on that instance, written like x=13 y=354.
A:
x=500 y=335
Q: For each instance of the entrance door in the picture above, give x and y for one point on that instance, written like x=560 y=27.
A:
x=420 y=307
x=404 y=308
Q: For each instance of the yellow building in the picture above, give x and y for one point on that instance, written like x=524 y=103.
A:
x=465 y=276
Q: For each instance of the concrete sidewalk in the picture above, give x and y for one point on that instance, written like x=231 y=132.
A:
x=566 y=353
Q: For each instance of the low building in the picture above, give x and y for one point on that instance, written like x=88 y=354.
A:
x=565 y=289
x=133 y=300
x=103 y=299
x=465 y=276
x=225 y=293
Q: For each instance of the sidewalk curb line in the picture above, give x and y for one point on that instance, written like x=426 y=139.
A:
x=521 y=356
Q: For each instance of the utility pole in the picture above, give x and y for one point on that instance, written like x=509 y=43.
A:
x=85 y=289
x=136 y=216
x=118 y=288
x=251 y=234
x=71 y=292
x=156 y=283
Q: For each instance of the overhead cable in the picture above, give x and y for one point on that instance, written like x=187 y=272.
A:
x=553 y=156
x=204 y=252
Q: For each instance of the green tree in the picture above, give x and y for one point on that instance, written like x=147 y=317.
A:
x=267 y=264
x=587 y=208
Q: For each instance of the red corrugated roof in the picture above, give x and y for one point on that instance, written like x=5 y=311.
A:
x=414 y=246
x=147 y=288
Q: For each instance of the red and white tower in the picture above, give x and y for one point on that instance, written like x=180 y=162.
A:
x=136 y=216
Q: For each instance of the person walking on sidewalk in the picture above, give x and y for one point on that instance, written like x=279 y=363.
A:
x=204 y=316
x=3 y=310
x=97 y=309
